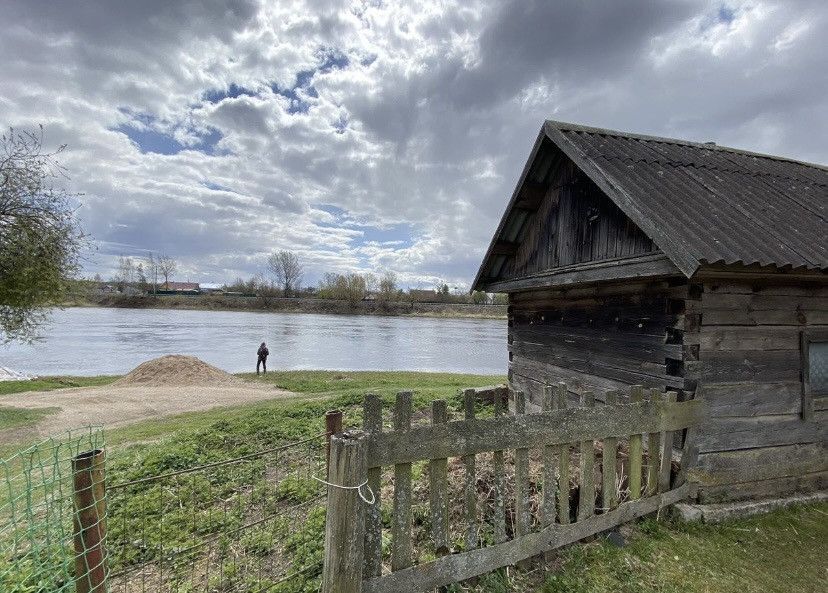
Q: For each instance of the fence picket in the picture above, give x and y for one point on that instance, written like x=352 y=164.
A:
x=636 y=395
x=522 y=517
x=586 y=500
x=438 y=486
x=372 y=424
x=666 y=451
x=470 y=484
x=561 y=395
x=499 y=479
x=401 y=548
x=608 y=461
x=653 y=448
x=548 y=502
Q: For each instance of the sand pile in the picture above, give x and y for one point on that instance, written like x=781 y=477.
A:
x=176 y=370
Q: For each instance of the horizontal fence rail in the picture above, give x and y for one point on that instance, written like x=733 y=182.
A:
x=462 y=497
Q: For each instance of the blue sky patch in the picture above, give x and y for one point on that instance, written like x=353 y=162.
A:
x=144 y=132
x=231 y=92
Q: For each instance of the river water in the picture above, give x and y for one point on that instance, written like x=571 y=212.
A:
x=99 y=341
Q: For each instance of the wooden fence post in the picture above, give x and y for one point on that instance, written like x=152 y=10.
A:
x=345 y=519
x=89 y=483
x=333 y=425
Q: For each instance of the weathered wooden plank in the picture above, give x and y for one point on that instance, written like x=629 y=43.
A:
x=788 y=316
x=586 y=497
x=747 y=365
x=561 y=396
x=401 y=545
x=609 y=454
x=777 y=487
x=467 y=437
x=751 y=398
x=522 y=517
x=653 y=449
x=767 y=287
x=621 y=345
x=547 y=510
x=499 y=514
x=579 y=374
x=438 y=488
x=603 y=364
x=636 y=449
x=666 y=451
x=470 y=479
x=458 y=567
x=766 y=463
x=345 y=515
x=729 y=434
x=372 y=424
x=766 y=337
x=763 y=302
x=631 y=267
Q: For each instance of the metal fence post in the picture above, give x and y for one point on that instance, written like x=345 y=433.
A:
x=88 y=479
x=333 y=425
x=345 y=519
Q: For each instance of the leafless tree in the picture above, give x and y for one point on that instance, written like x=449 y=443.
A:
x=286 y=270
x=167 y=266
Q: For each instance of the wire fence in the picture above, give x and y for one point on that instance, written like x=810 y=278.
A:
x=248 y=524
x=38 y=551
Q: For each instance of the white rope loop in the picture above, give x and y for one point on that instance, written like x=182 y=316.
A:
x=357 y=488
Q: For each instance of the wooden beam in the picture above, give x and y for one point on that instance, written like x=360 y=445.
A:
x=648 y=266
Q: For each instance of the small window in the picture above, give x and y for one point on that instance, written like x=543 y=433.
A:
x=814 y=369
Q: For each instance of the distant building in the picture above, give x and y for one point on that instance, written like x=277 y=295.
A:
x=422 y=295
x=211 y=288
x=180 y=287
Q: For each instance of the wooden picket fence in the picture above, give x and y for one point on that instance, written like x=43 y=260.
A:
x=353 y=539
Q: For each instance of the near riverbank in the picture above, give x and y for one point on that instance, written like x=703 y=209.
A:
x=291 y=305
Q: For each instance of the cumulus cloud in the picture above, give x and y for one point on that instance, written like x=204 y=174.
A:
x=378 y=135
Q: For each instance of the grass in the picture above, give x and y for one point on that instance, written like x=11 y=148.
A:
x=16 y=417
x=50 y=383
x=786 y=550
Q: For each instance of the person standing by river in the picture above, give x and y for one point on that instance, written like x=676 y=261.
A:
x=262 y=360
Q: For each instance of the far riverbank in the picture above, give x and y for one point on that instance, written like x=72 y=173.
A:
x=291 y=305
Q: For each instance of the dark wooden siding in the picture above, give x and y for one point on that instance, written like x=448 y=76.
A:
x=597 y=339
x=576 y=223
x=756 y=443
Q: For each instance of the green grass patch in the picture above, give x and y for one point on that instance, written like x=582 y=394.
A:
x=50 y=383
x=14 y=417
x=786 y=550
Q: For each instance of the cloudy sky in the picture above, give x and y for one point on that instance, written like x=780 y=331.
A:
x=376 y=135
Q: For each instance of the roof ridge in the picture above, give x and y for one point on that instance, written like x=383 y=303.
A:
x=572 y=127
x=736 y=170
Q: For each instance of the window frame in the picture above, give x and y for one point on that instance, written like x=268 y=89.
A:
x=807 y=337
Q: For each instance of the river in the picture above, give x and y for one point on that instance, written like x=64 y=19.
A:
x=101 y=341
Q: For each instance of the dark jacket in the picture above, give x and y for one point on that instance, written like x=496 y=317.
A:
x=263 y=352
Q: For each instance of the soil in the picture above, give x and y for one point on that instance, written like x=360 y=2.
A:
x=162 y=387
x=175 y=370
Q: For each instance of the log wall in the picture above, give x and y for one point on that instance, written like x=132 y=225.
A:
x=597 y=339
x=756 y=443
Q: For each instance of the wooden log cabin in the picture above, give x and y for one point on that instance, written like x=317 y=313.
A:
x=632 y=259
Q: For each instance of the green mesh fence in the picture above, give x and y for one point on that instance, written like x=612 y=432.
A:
x=37 y=510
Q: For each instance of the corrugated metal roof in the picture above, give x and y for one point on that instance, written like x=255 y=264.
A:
x=701 y=203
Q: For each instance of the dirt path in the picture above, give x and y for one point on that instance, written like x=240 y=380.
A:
x=113 y=406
